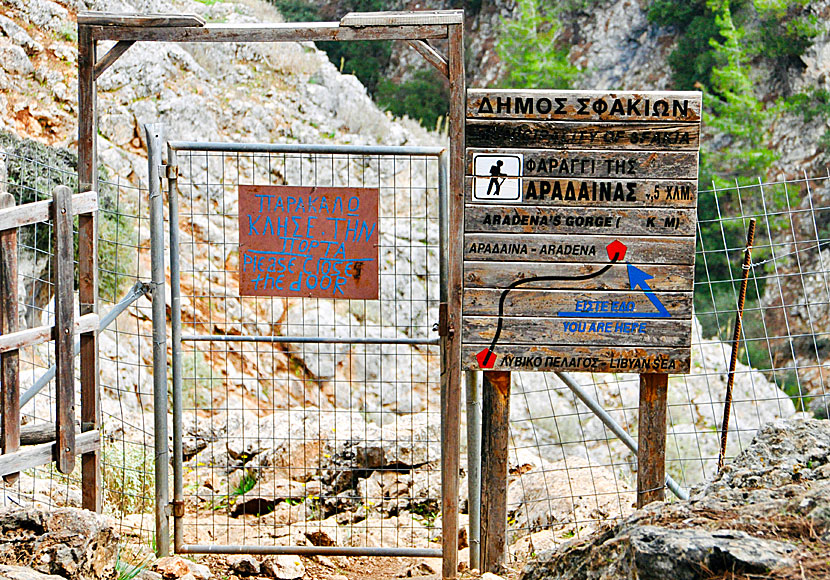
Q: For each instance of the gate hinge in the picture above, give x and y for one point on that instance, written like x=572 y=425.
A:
x=178 y=508
x=172 y=171
x=445 y=327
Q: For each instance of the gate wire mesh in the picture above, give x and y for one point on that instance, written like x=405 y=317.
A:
x=30 y=172
x=568 y=472
x=309 y=444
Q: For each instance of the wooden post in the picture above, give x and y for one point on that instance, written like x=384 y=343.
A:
x=64 y=335
x=495 y=415
x=88 y=265
x=9 y=361
x=651 y=453
x=451 y=460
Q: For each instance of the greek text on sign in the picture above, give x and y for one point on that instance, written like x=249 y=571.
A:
x=308 y=242
x=589 y=264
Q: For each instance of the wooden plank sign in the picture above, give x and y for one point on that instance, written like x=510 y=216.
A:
x=308 y=242
x=579 y=230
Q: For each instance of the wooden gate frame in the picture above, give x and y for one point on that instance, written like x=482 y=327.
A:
x=416 y=28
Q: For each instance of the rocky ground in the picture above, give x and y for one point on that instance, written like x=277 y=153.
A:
x=767 y=515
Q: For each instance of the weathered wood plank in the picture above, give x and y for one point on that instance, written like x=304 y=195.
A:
x=598 y=359
x=576 y=135
x=39 y=334
x=561 y=331
x=583 y=221
x=651 y=106
x=541 y=163
x=42 y=454
x=64 y=279
x=566 y=248
x=451 y=294
x=112 y=55
x=403 y=18
x=495 y=428
x=156 y=20
x=651 y=445
x=496 y=275
x=88 y=266
x=256 y=32
x=39 y=211
x=522 y=302
x=431 y=55
x=603 y=192
x=9 y=361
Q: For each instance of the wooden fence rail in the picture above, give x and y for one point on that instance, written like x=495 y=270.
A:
x=58 y=442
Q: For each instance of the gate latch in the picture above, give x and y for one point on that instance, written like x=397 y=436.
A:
x=178 y=508
x=444 y=326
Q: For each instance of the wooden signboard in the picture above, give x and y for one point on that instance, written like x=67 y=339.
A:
x=579 y=230
x=308 y=242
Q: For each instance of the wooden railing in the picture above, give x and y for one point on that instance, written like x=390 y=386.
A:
x=40 y=444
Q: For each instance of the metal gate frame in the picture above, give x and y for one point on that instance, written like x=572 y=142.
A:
x=416 y=28
x=161 y=170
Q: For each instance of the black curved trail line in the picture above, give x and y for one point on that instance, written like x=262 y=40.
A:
x=517 y=283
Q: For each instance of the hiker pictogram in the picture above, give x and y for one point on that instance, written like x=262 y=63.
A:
x=497 y=178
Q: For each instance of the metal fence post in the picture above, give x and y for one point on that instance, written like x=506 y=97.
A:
x=176 y=336
x=155 y=139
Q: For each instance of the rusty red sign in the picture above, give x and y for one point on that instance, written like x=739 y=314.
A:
x=308 y=242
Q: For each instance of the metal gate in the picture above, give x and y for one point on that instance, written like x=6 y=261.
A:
x=300 y=425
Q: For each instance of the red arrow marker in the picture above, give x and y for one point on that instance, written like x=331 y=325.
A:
x=616 y=247
x=482 y=356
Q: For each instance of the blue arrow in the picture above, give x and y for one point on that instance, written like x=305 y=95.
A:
x=637 y=277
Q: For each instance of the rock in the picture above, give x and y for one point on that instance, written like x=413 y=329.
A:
x=43 y=13
x=783 y=476
x=13 y=60
x=18 y=35
x=548 y=496
x=283 y=567
x=21 y=573
x=416 y=570
x=655 y=553
x=244 y=565
x=148 y=575
x=782 y=453
x=70 y=542
x=199 y=571
x=171 y=567
x=491 y=576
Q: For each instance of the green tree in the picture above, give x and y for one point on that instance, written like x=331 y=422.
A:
x=527 y=46
x=736 y=113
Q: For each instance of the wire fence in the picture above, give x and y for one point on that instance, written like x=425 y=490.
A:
x=299 y=443
x=30 y=172
x=318 y=444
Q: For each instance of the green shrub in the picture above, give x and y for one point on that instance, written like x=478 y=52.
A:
x=129 y=477
x=424 y=97
x=34 y=170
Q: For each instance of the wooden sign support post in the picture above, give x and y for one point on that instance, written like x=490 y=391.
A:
x=651 y=448
x=495 y=417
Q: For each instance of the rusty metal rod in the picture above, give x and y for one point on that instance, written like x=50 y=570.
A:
x=736 y=339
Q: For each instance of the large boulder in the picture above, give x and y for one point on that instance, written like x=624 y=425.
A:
x=766 y=513
x=73 y=543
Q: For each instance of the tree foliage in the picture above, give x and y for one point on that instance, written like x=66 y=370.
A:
x=529 y=50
